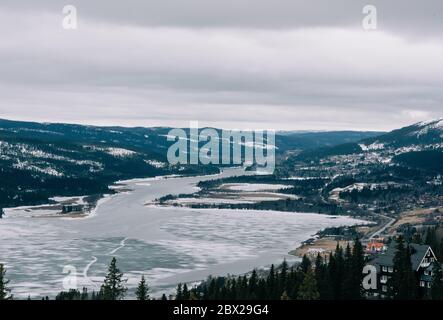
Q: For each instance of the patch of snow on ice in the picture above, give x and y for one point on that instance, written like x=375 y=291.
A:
x=120 y=152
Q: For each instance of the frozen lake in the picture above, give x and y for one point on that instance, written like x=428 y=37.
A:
x=167 y=245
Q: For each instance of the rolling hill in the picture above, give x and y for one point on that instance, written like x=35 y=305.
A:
x=41 y=160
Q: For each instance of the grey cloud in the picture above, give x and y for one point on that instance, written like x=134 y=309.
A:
x=413 y=16
x=279 y=64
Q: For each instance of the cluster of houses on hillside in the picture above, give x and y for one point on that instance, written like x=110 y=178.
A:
x=381 y=256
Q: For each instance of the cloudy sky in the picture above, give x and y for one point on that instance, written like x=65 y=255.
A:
x=280 y=64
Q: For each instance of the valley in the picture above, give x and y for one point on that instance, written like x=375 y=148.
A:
x=76 y=196
x=167 y=244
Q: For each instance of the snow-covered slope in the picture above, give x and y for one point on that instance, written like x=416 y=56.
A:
x=421 y=133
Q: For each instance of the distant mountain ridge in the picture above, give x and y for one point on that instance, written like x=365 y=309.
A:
x=420 y=136
x=421 y=133
x=41 y=160
x=391 y=173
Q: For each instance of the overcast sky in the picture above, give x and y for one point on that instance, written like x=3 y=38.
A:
x=280 y=64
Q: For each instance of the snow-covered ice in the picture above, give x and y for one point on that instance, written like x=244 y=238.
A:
x=167 y=245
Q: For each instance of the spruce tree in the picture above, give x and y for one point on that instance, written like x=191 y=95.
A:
x=402 y=284
x=84 y=295
x=261 y=289
x=179 y=291
x=308 y=289
x=113 y=287
x=305 y=264
x=4 y=290
x=233 y=289
x=336 y=271
x=282 y=279
x=358 y=263
x=243 y=288
x=352 y=283
x=252 y=286
x=322 y=278
x=270 y=284
x=142 y=290
x=186 y=293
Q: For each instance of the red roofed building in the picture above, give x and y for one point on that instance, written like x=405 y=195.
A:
x=375 y=247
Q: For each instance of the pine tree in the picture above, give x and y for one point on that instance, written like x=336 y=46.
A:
x=113 y=287
x=305 y=264
x=308 y=289
x=352 y=284
x=336 y=270
x=232 y=289
x=270 y=284
x=4 y=290
x=402 y=284
x=243 y=288
x=322 y=278
x=223 y=293
x=437 y=282
x=142 y=290
x=283 y=278
x=186 y=294
x=252 y=286
x=179 y=292
x=84 y=295
x=348 y=254
x=261 y=289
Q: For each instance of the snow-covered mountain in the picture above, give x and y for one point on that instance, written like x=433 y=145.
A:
x=419 y=134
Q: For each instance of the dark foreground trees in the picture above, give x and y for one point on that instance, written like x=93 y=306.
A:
x=5 y=292
x=337 y=277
